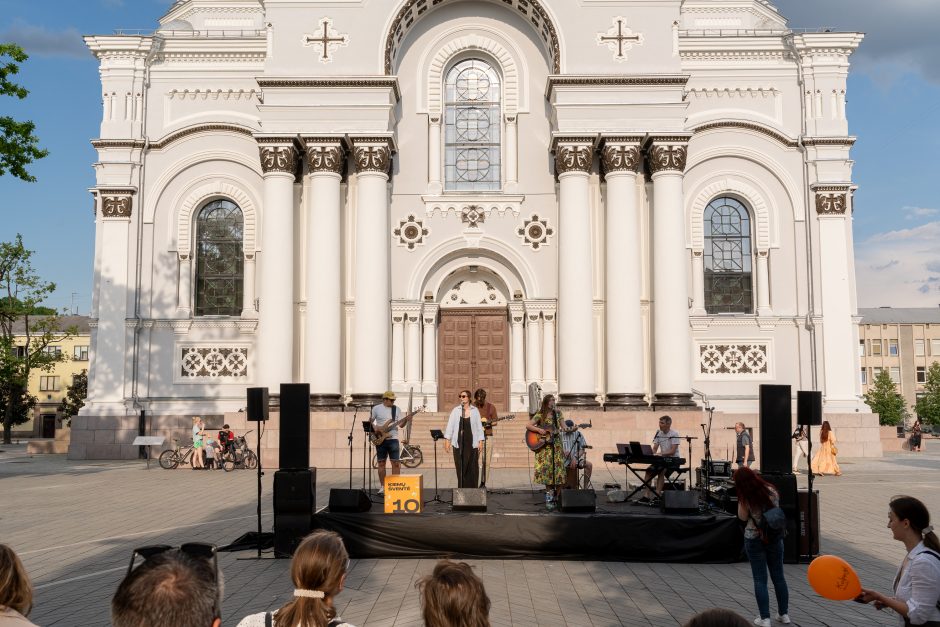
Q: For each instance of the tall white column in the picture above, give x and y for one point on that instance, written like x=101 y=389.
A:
x=398 y=349
x=763 y=284
x=574 y=158
x=517 y=383
x=276 y=293
x=512 y=157
x=624 y=331
x=185 y=306
x=323 y=350
x=549 y=372
x=429 y=348
x=413 y=346
x=698 y=283
x=533 y=346
x=672 y=355
x=434 y=155
x=372 y=282
x=248 y=288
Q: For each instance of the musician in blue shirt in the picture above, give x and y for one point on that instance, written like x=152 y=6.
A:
x=382 y=415
x=665 y=444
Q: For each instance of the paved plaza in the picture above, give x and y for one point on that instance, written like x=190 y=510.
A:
x=75 y=524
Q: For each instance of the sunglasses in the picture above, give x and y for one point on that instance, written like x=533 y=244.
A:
x=463 y=396
x=201 y=550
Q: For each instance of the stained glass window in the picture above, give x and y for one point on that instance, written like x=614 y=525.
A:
x=219 y=259
x=472 y=127
x=728 y=282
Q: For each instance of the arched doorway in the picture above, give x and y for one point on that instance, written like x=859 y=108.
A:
x=473 y=338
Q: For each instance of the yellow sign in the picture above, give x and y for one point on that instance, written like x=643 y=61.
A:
x=403 y=494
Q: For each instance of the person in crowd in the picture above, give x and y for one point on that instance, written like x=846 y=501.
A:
x=745 y=447
x=489 y=417
x=756 y=496
x=385 y=416
x=453 y=596
x=16 y=591
x=575 y=447
x=550 y=459
x=318 y=571
x=917 y=585
x=824 y=461
x=665 y=444
x=717 y=617
x=227 y=439
x=464 y=436
x=198 y=435
x=213 y=453
x=916 y=435
x=171 y=587
x=799 y=447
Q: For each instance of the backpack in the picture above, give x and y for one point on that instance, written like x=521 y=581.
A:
x=772 y=526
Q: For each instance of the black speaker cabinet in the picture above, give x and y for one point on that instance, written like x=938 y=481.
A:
x=257 y=404
x=775 y=429
x=583 y=501
x=289 y=530
x=809 y=408
x=295 y=425
x=295 y=491
x=354 y=501
x=469 y=500
x=803 y=500
x=680 y=502
x=786 y=488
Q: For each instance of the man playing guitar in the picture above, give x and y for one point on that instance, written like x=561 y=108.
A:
x=385 y=423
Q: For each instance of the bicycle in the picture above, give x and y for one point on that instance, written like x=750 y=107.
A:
x=409 y=455
x=239 y=455
x=172 y=458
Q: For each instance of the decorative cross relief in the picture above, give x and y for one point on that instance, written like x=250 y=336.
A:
x=327 y=38
x=619 y=38
x=411 y=232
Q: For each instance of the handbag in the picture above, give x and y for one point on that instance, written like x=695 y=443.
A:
x=835 y=451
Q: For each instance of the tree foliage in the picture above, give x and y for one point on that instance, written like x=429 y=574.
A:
x=884 y=400
x=24 y=336
x=928 y=405
x=18 y=145
x=75 y=395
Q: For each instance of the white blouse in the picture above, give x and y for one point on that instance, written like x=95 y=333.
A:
x=919 y=585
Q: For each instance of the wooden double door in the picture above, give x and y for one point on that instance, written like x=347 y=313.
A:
x=473 y=352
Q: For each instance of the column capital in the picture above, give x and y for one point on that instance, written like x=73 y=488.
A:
x=516 y=313
x=429 y=312
x=278 y=154
x=573 y=153
x=373 y=154
x=117 y=203
x=667 y=153
x=831 y=199
x=621 y=153
x=325 y=154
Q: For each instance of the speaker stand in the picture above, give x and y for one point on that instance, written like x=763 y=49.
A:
x=349 y=439
x=809 y=496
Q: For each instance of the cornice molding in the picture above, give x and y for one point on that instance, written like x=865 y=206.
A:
x=388 y=82
x=614 y=80
x=750 y=126
x=173 y=137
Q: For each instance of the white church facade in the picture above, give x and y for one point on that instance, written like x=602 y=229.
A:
x=622 y=201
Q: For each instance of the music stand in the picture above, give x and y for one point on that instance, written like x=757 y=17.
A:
x=367 y=445
x=436 y=434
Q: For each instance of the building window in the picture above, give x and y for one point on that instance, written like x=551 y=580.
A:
x=893 y=348
x=864 y=376
x=728 y=286
x=219 y=259
x=921 y=374
x=935 y=348
x=895 y=373
x=48 y=384
x=919 y=348
x=472 y=127
x=876 y=347
x=876 y=371
x=81 y=353
x=52 y=350
x=21 y=352
x=861 y=348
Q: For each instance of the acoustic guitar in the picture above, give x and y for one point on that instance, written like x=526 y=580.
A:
x=536 y=441
x=380 y=434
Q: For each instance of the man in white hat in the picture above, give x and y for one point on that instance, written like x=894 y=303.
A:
x=383 y=419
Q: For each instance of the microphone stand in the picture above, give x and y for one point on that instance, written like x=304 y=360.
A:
x=707 y=433
x=349 y=439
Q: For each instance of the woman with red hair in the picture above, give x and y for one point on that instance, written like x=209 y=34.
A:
x=756 y=496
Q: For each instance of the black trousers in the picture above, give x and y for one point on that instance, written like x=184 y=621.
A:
x=467 y=464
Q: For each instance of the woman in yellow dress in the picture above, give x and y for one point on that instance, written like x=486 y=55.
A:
x=824 y=461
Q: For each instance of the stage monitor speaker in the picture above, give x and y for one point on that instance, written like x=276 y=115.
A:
x=809 y=408
x=577 y=501
x=295 y=425
x=469 y=500
x=349 y=501
x=786 y=488
x=257 y=404
x=680 y=502
x=289 y=530
x=775 y=429
x=295 y=491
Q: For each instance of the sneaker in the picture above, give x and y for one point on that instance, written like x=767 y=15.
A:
x=762 y=622
x=783 y=618
x=380 y=491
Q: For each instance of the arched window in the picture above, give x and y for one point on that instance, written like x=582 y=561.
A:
x=472 y=118
x=219 y=259
x=728 y=285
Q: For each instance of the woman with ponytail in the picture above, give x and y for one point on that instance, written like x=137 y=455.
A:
x=318 y=571
x=917 y=585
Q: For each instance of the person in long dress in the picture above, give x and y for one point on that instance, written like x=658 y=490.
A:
x=824 y=461
x=464 y=436
x=550 y=468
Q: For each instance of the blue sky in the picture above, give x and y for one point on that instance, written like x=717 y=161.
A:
x=894 y=97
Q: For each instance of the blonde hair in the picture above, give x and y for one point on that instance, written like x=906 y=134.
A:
x=16 y=592
x=453 y=596
x=319 y=564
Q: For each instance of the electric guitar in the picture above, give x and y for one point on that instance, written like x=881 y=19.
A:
x=380 y=434
x=489 y=424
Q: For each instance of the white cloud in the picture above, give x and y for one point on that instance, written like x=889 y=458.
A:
x=38 y=40
x=912 y=213
x=899 y=268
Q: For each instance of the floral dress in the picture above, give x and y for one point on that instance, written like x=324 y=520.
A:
x=544 y=458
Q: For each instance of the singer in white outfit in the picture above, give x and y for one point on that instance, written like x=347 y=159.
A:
x=799 y=439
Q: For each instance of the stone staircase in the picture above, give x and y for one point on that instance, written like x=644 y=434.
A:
x=509 y=449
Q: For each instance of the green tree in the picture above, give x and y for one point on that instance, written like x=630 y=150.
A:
x=928 y=405
x=884 y=400
x=75 y=395
x=18 y=146
x=23 y=335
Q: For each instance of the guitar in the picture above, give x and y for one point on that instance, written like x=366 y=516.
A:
x=380 y=434
x=535 y=441
x=489 y=425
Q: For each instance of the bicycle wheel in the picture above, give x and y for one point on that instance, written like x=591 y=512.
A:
x=169 y=459
x=228 y=462
x=251 y=460
x=416 y=458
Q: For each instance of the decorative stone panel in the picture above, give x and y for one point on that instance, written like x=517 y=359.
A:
x=535 y=232
x=410 y=232
x=212 y=363
x=116 y=203
x=734 y=359
x=473 y=294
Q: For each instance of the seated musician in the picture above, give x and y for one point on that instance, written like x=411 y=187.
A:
x=665 y=444
x=574 y=446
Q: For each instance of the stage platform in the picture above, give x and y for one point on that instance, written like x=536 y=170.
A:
x=517 y=525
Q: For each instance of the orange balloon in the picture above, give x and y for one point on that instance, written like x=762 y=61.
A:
x=832 y=578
